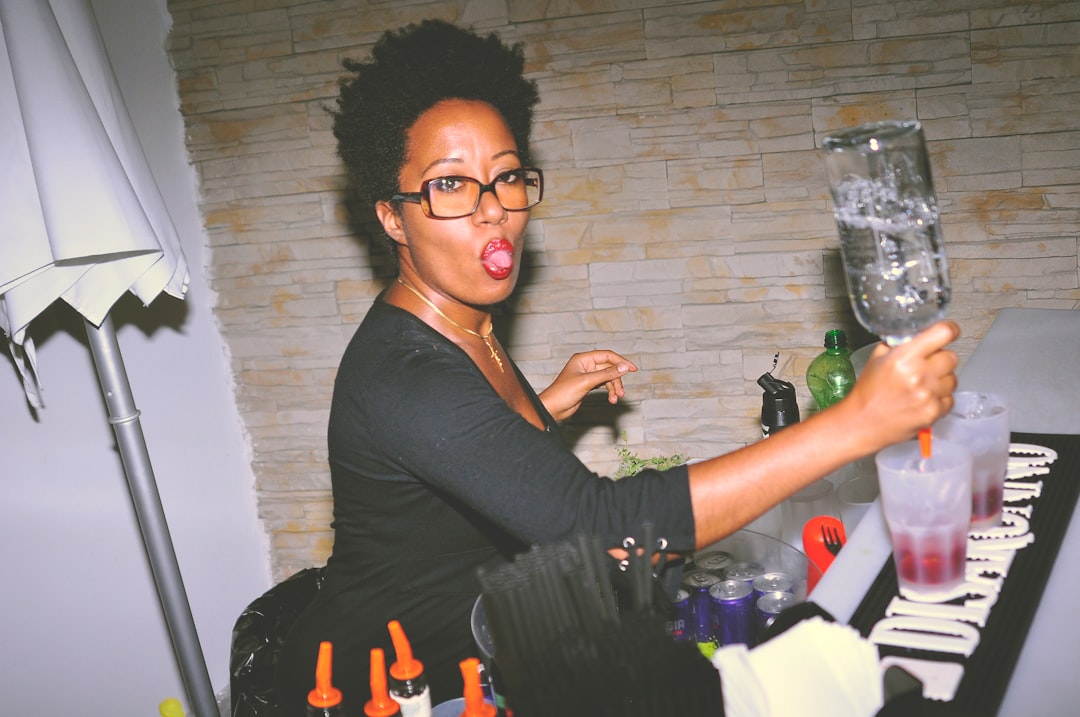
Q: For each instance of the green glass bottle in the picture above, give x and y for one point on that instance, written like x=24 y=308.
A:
x=831 y=375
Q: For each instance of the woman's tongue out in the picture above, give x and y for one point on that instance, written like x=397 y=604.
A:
x=498 y=258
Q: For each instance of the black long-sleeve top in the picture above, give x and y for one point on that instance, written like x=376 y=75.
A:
x=434 y=476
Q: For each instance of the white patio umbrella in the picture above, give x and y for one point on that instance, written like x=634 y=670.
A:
x=81 y=220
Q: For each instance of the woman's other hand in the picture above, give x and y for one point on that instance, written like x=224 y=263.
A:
x=583 y=373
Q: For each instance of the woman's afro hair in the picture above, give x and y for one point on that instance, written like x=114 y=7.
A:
x=410 y=71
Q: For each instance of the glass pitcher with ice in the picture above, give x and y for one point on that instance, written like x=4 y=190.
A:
x=890 y=235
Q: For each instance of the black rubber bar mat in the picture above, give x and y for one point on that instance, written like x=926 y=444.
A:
x=988 y=669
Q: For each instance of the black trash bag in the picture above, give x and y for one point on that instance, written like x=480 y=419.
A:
x=257 y=639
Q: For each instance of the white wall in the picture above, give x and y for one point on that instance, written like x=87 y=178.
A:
x=80 y=621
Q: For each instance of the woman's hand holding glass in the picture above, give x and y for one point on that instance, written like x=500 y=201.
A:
x=907 y=387
x=583 y=373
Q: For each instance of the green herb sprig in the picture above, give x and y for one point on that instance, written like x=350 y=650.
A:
x=631 y=463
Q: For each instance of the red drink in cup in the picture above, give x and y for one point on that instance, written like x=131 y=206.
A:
x=986 y=507
x=927 y=506
x=980 y=421
x=932 y=556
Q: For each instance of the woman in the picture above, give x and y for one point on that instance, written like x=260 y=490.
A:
x=443 y=459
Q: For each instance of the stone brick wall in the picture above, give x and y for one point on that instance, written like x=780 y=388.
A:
x=687 y=223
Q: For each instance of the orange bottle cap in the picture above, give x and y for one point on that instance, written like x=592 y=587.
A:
x=406 y=667
x=325 y=694
x=475 y=706
x=380 y=704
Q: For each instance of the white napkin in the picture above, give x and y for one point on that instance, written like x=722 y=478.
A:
x=814 y=669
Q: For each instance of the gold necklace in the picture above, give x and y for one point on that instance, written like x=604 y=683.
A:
x=486 y=338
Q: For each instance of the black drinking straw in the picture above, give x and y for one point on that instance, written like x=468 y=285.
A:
x=633 y=670
x=594 y=560
x=563 y=647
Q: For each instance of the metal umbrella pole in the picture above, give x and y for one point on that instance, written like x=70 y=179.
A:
x=124 y=417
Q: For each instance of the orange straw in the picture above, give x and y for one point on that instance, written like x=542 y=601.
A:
x=924 y=442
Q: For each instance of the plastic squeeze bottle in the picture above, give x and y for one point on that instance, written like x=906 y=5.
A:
x=475 y=706
x=325 y=699
x=408 y=683
x=381 y=703
x=830 y=376
x=779 y=407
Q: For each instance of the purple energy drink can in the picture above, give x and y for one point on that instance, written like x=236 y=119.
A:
x=713 y=561
x=773 y=583
x=733 y=612
x=744 y=571
x=697 y=584
x=679 y=626
x=769 y=606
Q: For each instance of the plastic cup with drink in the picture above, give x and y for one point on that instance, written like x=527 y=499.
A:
x=980 y=421
x=927 y=507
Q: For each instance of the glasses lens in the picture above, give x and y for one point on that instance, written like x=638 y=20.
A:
x=518 y=189
x=452 y=196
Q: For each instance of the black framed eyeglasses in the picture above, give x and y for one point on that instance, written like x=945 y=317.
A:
x=454 y=197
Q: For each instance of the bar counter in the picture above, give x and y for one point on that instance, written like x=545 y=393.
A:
x=1030 y=357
